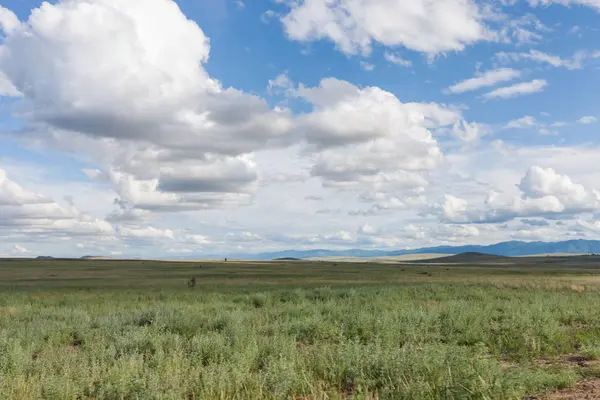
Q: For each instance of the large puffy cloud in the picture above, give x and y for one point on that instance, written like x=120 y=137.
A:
x=368 y=139
x=543 y=193
x=540 y=182
x=131 y=71
x=187 y=192
x=125 y=84
x=25 y=212
x=354 y=25
x=11 y=193
x=27 y=217
x=8 y=21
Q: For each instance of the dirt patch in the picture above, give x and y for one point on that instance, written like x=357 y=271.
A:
x=569 y=360
x=8 y=310
x=584 y=390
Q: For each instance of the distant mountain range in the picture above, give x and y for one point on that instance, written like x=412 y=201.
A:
x=512 y=248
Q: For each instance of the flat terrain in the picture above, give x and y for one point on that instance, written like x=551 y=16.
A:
x=386 y=259
x=466 y=328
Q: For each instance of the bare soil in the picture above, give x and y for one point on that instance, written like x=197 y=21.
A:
x=584 y=390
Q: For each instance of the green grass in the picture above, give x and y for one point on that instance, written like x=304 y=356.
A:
x=133 y=330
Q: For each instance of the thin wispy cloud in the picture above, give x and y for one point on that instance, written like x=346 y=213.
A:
x=486 y=79
x=519 y=89
x=395 y=59
x=575 y=62
x=587 y=120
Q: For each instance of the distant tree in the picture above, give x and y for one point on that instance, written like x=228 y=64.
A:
x=192 y=282
x=225 y=259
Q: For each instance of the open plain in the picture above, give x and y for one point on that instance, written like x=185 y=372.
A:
x=459 y=327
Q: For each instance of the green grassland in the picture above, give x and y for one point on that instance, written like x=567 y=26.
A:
x=101 y=329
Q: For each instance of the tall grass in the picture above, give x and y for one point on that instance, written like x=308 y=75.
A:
x=423 y=341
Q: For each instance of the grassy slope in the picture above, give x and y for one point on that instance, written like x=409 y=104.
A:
x=112 y=330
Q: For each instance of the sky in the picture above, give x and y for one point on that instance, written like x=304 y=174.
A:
x=160 y=128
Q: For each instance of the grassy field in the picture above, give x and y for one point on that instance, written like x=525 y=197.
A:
x=72 y=329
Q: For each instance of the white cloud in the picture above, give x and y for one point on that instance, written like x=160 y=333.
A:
x=524 y=122
x=542 y=193
x=587 y=120
x=245 y=237
x=7 y=88
x=590 y=3
x=368 y=138
x=281 y=82
x=453 y=207
x=12 y=194
x=146 y=233
x=367 y=66
x=188 y=190
x=539 y=182
x=18 y=249
x=155 y=131
x=197 y=239
x=488 y=78
x=123 y=84
x=26 y=212
x=525 y=29
x=576 y=62
x=529 y=122
x=367 y=229
x=519 y=89
x=8 y=21
x=421 y=25
x=469 y=132
x=395 y=59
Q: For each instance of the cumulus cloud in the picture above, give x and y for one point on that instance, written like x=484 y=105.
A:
x=366 y=137
x=12 y=194
x=543 y=193
x=540 y=182
x=281 y=83
x=488 y=78
x=30 y=213
x=519 y=89
x=7 y=88
x=420 y=25
x=8 y=21
x=188 y=191
x=127 y=80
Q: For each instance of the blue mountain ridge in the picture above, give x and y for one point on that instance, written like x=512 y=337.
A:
x=511 y=248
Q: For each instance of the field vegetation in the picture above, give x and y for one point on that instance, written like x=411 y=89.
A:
x=101 y=329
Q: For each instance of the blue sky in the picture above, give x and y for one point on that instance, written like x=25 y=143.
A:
x=174 y=129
